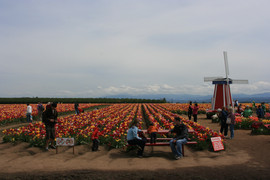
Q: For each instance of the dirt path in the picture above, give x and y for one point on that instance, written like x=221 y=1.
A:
x=246 y=157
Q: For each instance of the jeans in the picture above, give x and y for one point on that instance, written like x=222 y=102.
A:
x=28 y=117
x=177 y=151
x=224 y=127
x=232 y=130
x=189 y=115
x=195 y=117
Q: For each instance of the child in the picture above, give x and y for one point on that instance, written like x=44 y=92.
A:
x=94 y=138
x=152 y=130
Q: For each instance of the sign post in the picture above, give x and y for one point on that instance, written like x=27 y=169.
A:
x=217 y=143
x=64 y=142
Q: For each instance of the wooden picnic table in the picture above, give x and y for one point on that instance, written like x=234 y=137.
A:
x=165 y=131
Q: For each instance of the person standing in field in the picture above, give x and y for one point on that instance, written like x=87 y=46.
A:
x=180 y=138
x=232 y=117
x=223 y=114
x=240 y=109
x=29 y=113
x=247 y=112
x=40 y=109
x=260 y=112
x=190 y=110
x=236 y=103
x=263 y=107
x=94 y=138
x=195 y=111
x=76 y=107
x=50 y=119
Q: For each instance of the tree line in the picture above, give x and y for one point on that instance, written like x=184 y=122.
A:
x=35 y=100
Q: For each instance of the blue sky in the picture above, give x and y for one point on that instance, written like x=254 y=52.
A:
x=95 y=48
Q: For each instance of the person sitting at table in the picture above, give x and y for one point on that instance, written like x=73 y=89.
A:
x=180 y=138
x=152 y=130
x=134 y=139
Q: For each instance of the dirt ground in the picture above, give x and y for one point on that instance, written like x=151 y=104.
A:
x=246 y=157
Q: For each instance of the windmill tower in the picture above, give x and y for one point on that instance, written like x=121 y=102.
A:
x=222 y=93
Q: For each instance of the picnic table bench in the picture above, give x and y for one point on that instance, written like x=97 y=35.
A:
x=167 y=140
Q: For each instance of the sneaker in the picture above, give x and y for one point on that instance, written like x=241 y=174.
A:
x=139 y=147
x=178 y=157
x=52 y=146
x=46 y=149
x=139 y=156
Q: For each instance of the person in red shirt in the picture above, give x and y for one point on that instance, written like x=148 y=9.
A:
x=152 y=130
x=94 y=138
x=195 y=111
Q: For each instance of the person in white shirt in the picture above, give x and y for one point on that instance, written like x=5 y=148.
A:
x=29 y=113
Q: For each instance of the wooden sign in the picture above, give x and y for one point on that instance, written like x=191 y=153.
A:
x=217 y=143
x=64 y=141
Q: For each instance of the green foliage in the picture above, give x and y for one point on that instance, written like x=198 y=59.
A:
x=35 y=100
x=245 y=124
x=262 y=130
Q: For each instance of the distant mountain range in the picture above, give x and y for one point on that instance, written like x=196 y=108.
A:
x=183 y=98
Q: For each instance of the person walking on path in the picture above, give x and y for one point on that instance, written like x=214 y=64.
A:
x=134 y=139
x=29 y=113
x=50 y=119
x=223 y=114
x=195 y=111
x=180 y=138
x=232 y=117
x=190 y=110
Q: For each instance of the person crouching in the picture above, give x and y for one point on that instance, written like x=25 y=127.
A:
x=94 y=138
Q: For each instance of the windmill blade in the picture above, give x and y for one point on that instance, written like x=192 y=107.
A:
x=239 y=81
x=209 y=79
x=226 y=63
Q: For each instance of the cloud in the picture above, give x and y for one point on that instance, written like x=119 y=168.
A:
x=98 y=48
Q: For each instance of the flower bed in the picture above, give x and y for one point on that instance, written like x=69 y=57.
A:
x=10 y=113
x=244 y=123
x=115 y=120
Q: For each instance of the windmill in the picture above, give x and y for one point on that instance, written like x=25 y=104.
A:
x=222 y=94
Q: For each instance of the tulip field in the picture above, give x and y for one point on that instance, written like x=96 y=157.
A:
x=114 y=120
x=17 y=112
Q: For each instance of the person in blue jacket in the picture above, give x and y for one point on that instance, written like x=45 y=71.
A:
x=134 y=139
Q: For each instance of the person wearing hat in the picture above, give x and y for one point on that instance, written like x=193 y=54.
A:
x=223 y=114
x=50 y=119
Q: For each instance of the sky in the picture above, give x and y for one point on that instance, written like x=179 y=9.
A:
x=98 y=48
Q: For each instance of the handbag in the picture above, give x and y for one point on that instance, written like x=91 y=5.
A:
x=228 y=121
